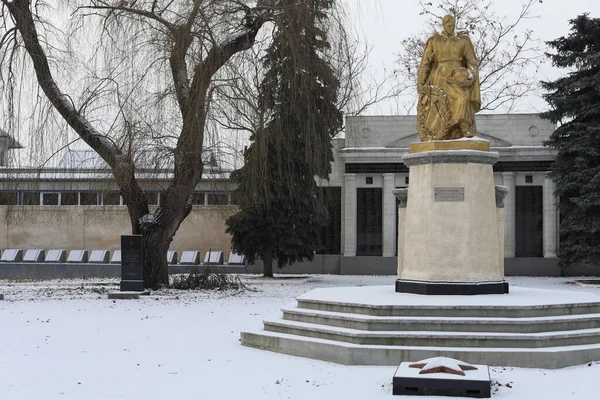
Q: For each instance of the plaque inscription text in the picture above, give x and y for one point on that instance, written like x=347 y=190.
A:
x=449 y=194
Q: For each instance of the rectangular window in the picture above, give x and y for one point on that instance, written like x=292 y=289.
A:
x=68 y=199
x=31 y=198
x=111 y=198
x=217 y=199
x=198 y=199
x=8 y=198
x=50 y=199
x=88 y=199
x=529 y=221
x=369 y=222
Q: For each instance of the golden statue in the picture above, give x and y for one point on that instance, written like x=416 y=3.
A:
x=448 y=85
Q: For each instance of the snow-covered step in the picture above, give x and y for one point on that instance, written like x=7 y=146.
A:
x=434 y=338
x=464 y=324
x=353 y=354
x=487 y=311
x=383 y=301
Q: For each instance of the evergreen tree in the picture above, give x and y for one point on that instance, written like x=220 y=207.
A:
x=281 y=213
x=575 y=105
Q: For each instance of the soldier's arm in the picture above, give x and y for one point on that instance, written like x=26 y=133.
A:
x=426 y=64
x=470 y=58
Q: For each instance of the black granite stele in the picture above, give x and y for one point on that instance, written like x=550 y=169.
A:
x=450 y=288
x=132 y=264
x=440 y=387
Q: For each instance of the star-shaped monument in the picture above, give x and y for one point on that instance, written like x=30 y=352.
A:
x=442 y=365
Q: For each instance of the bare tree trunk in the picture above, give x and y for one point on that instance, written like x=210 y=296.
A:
x=267 y=265
x=156 y=244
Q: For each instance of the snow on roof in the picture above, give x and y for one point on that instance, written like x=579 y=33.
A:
x=145 y=160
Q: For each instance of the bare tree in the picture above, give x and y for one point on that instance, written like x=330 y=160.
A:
x=508 y=57
x=151 y=66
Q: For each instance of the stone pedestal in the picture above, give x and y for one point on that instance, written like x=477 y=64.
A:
x=452 y=228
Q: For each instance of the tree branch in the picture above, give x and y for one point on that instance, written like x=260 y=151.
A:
x=130 y=10
x=24 y=22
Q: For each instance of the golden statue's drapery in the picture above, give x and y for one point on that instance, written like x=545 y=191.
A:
x=448 y=84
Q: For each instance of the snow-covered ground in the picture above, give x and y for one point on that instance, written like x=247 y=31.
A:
x=66 y=340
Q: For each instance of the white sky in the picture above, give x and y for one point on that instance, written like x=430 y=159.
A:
x=385 y=23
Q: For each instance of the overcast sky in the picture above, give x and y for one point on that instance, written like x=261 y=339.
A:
x=385 y=23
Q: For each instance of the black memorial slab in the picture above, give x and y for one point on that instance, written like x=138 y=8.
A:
x=451 y=288
x=132 y=263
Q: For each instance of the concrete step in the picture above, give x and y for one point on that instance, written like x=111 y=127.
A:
x=437 y=339
x=353 y=354
x=454 y=324
x=456 y=311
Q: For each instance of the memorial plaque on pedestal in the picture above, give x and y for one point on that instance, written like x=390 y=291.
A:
x=132 y=263
x=449 y=194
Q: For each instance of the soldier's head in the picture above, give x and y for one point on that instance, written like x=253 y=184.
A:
x=449 y=24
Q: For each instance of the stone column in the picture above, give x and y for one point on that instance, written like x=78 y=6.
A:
x=550 y=233
x=389 y=215
x=349 y=215
x=508 y=180
x=501 y=192
x=402 y=196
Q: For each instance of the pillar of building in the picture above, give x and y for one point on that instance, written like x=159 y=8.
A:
x=389 y=215
x=508 y=180
x=349 y=215
x=550 y=228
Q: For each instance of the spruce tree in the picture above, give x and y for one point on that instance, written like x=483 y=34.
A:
x=281 y=214
x=575 y=106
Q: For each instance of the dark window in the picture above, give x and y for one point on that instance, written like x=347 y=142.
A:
x=8 y=198
x=50 y=199
x=529 y=222
x=330 y=236
x=217 y=199
x=198 y=199
x=369 y=222
x=88 y=198
x=111 y=198
x=31 y=198
x=68 y=199
x=406 y=180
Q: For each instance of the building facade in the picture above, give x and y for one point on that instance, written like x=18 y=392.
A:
x=361 y=237
x=368 y=166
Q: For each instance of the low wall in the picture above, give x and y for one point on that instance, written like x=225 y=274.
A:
x=321 y=264
x=45 y=271
x=101 y=227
